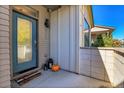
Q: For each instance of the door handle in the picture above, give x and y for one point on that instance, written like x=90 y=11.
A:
x=35 y=42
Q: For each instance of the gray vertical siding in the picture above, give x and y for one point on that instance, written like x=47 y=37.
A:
x=63 y=37
x=4 y=47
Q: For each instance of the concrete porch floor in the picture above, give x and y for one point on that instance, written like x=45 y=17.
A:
x=63 y=79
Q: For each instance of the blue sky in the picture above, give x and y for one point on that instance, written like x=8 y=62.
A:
x=110 y=15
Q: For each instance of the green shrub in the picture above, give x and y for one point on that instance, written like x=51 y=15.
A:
x=103 y=40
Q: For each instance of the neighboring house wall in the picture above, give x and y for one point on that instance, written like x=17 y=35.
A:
x=64 y=31
x=4 y=47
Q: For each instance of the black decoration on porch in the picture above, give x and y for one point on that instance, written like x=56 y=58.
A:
x=45 y=67
x=50 y=63
x=47 y=23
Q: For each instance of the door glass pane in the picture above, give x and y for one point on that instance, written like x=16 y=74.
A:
x=24 y=43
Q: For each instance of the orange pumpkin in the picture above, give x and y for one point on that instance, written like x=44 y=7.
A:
x=55 y=68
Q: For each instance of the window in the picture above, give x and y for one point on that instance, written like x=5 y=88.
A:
x=24 y=40
x=26 y=10
x=85 y=34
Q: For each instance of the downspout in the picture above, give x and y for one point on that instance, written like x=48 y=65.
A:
x=89 y=32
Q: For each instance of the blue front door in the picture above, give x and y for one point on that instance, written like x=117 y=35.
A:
x=24 y=42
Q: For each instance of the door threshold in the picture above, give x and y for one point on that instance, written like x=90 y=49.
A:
x=27 y=78
x=26 y=73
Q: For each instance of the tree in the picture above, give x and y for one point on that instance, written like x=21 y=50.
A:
x=99 y=42
x=116 y=43
x=103 y=40
x=108 y=40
